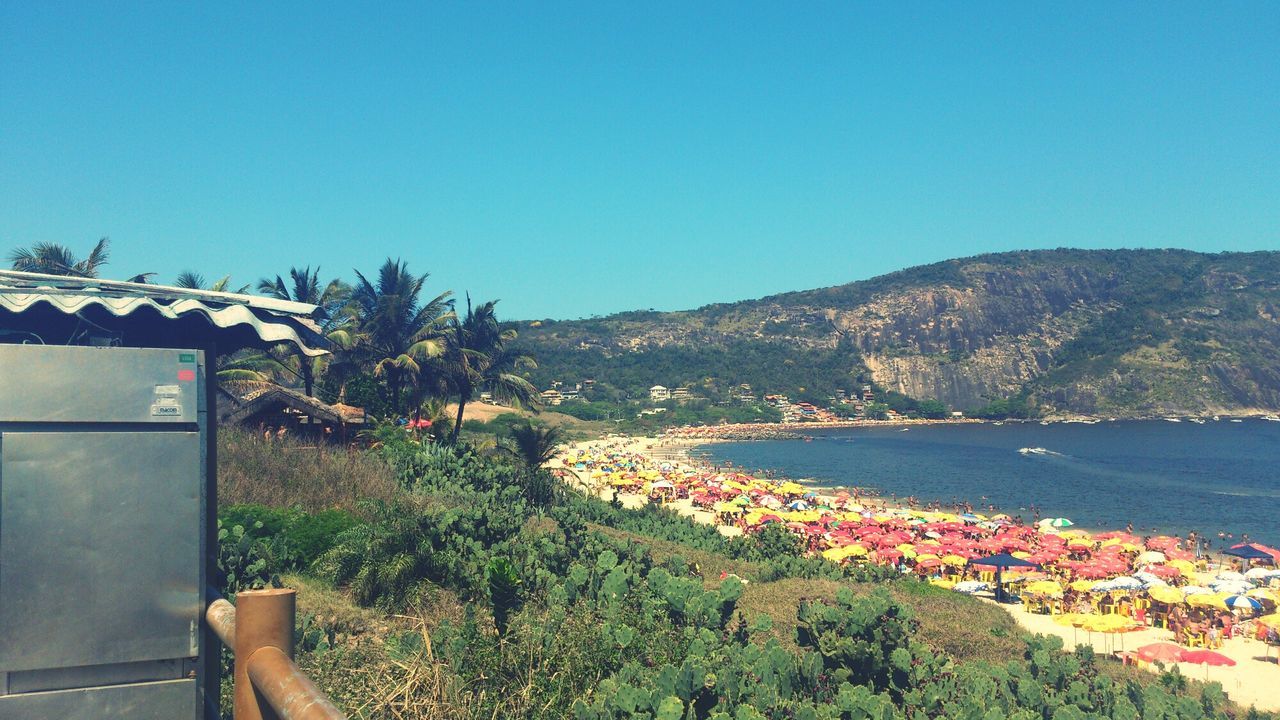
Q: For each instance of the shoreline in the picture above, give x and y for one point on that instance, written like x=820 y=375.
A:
x=1247 y=683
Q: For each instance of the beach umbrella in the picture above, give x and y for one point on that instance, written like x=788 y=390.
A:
x=1150 y=557
x=1242 y=602
x=1202 y=600
x=1195 y=590
x=1161 y=652
x=1165 y=594
x=1229 y=575
x=1207 y=658
x=1060 y=522
x=1001 y=563
x=1231 y=587
x=1261 y=573
x=1249 y=553
x=1186 y=567
x=1082 y=585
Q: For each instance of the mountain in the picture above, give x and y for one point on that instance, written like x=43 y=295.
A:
x=1124 y=333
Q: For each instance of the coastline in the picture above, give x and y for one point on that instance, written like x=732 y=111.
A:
x=1247 y=683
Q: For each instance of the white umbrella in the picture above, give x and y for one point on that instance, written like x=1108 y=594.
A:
x=1125 y=582
x=1151 y=557
x=1149 y=580
x=970 y=587
x=1242 y=602
x=1055 y=522
x=1229 y=586
x=1196 y=590
x=1229 y=575
x=1261 y=573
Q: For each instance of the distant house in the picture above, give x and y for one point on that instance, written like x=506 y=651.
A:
x=552 y=397
x=267 y=407
x=657 y=393
x=682 y=394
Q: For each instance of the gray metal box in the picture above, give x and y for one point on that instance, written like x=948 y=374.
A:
x=47 y=383
x=102 y=479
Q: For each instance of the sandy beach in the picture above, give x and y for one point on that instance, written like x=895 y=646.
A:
x=1251 y=681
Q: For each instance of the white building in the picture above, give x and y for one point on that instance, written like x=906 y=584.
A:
x=657 y=393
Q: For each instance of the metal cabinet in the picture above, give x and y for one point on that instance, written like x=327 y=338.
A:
x=102 y=479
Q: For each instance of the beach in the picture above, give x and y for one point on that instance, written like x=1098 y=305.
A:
x=1250 y=681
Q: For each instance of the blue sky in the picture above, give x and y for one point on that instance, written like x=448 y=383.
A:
x=584 y=158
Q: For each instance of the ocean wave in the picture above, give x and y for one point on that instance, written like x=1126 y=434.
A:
x=1039 y=451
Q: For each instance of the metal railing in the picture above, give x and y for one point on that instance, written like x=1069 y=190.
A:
x=268 y=685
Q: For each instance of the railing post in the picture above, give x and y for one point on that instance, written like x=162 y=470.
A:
x=264 y=618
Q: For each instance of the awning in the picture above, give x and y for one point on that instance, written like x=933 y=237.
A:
x=58 y=310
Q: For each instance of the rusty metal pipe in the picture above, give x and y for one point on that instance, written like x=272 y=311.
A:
x=264 y=618
x=288 y=691
x=221 y=616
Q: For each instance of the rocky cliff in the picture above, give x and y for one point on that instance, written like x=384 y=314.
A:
x=1117 y=333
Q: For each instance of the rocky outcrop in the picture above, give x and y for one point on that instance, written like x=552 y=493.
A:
x=1123 y=333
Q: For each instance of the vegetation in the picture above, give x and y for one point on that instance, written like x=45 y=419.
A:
x=461 y=598
x=1102 y=332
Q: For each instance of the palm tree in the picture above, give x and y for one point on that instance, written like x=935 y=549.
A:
x=55 y=259
x=534 y=445
x=195 y=281
x=397 y=330
x=304 y=287
x=478 y=358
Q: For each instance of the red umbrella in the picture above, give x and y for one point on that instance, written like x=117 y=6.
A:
x=1206 y=658
x=1161 y=652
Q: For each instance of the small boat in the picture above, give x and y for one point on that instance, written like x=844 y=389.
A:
x=1173 y=419
x=1237 y=420
x=1044 y=422
x=1198 y=421
x=999 y=422
x=1271 y=418
x=1216 y=418
x=1033 y=451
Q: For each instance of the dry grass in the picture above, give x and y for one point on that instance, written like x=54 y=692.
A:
x=286 y=472
x=710 y=565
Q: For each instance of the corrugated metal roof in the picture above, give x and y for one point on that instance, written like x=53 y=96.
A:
x=274 y=321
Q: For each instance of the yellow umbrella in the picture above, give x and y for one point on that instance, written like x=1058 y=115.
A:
x=1165 y=594
x=1020 y=554
x=1186 y=567
x=1044 y=587
x=1083 y=585
x=1070 y=619
x=1207 y=600
x=954 y=560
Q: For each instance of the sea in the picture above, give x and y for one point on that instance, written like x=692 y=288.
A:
x=1162 y=477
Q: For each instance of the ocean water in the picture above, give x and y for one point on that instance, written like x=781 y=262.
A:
x=1163 y=477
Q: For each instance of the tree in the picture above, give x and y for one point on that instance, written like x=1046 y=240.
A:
x=304 y=287
x=478 y=358
x=397 y=331
x=55 y=259
x=195 y=281
x=876 y=411
x=534 y=445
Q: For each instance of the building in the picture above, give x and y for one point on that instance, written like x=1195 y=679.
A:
x=743 y=394
x=658 y=393
x=267 y=407
x=682 y=394
x=867 y=395
x=551 y=397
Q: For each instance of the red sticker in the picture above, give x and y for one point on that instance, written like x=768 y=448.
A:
x=186 y=375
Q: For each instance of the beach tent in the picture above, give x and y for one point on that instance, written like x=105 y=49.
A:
x=1249 y=553
x=1001 y=562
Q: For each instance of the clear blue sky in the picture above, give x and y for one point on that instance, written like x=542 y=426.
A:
x=586 y=158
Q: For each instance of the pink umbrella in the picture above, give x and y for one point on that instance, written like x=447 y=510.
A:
x=1161 y=652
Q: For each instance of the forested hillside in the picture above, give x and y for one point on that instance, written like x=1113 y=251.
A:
x=1105 y=332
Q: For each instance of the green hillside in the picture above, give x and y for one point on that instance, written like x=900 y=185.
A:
x=1109 y=332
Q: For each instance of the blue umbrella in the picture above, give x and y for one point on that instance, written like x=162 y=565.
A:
x=1000 y=562
x=1243 y=602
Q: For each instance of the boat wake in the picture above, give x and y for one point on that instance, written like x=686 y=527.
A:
x=1039 y=451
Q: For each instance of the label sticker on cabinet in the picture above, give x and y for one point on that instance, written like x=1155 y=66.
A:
x=166 y=411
